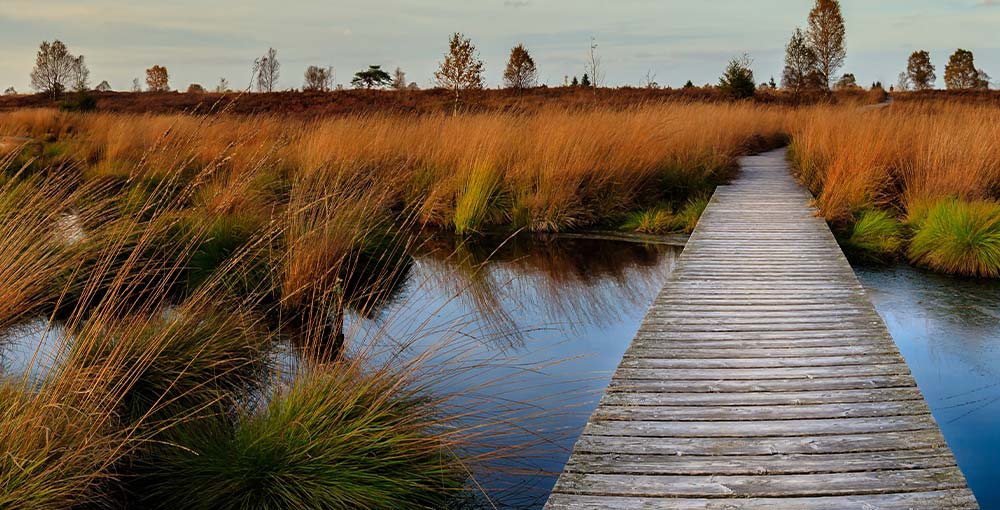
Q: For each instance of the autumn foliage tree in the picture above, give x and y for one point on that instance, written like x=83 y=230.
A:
x=961 y=72
x=826 y=35
x=157 y=79
x=521 y=72
x=461 y=68
x=920 y=71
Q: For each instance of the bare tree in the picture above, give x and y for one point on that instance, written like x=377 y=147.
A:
x=521 y=72
x=157 y=79
x=461 y=68
x=826 y=35
x=318 y=79
x=11 y=91
x=54 y=68
x=223 y=86
x=81 y=75
x=649 y=81
x=594 y=68
x=104 y=86
x=136 y=85
x=399 y=79
x=267 y=69
x=904 y=82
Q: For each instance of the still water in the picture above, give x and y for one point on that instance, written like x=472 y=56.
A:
x=582 y=300
x=552 y=317
x=948 y=329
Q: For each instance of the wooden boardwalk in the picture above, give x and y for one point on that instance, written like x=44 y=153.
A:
x=762 y=378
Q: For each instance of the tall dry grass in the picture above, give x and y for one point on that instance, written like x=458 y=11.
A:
x=170 y=270
x=898 y=156
x=549 y=171
x=908 y=159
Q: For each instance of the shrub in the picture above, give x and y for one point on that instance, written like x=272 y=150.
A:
x=82 y=101
x=875 y=236
x=959 y=237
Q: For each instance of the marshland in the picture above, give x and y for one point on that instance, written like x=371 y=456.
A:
x=394 y=298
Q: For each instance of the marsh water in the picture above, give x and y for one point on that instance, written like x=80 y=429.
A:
x=948 y=329
x=580 y=301
x=553 y=315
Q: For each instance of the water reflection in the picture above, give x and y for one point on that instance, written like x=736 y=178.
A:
x=556 y=314
x=553 y=315
x=948 y=329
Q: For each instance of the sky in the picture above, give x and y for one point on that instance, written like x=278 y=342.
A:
x=200 y=41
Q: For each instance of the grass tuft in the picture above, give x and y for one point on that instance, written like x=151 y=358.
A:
x=959 y=237
x=876 y=236
x=332 y=440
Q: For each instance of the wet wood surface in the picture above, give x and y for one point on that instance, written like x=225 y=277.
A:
x=762 y=378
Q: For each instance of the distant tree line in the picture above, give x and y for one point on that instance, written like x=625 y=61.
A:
x=813 y=58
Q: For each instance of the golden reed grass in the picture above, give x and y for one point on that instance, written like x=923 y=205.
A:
x=548 y=171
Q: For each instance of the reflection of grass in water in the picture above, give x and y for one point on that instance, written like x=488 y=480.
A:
x=575 y=281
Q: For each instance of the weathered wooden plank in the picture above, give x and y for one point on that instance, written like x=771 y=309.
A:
x=714 y=446
x=760 y=464
x=632 y=361
x=657 y=351
x=790 y=411
x=754 y=429
x=774 y=390
x=762 y=378
x=762 y=486
x=760 y=398
x=952 y=499
x=629 y=373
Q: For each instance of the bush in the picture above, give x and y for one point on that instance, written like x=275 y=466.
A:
x=82 y=101
x=959 y=237
x=876 y=236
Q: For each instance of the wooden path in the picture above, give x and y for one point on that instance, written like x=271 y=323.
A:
x=762 y=378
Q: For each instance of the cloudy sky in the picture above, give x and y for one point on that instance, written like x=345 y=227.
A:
x=200 y=41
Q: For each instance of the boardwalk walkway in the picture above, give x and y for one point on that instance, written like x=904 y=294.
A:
x=762 y=378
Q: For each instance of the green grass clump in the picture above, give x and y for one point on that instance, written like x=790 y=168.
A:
x=477 y=199
x=876 y=236
x=200 y=361
x=658 y=220
x=958 y=237
x=662 y=220
x=337 y=440
x=689 y=215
